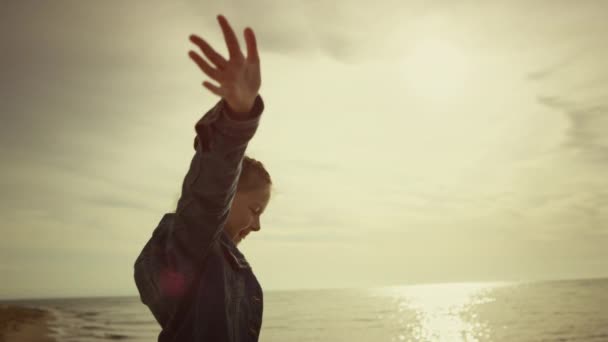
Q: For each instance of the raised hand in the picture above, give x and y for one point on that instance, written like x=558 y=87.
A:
x=239 y=77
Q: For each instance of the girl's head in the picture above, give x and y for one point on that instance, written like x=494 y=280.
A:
x=250 y=201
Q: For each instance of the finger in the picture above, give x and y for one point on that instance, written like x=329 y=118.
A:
x=209 y=52
x=252 y=46
x=204 y=66
x=231 y=41
x=214 y=89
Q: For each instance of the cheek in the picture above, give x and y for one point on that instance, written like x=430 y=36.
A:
x=243 y=221
x=237 y=215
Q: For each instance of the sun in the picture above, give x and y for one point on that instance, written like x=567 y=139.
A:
x=436 y=69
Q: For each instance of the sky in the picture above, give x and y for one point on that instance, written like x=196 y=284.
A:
x=408 y=141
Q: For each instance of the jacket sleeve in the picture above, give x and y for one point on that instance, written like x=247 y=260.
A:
x=210 y=183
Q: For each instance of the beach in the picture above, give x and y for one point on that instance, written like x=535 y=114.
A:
x=23 y=324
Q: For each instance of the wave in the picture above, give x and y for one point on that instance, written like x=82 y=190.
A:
x=116 y=336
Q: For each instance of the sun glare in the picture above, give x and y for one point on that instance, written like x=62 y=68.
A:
x=436 y=69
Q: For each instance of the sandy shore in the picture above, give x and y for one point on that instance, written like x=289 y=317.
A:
x=20 y=324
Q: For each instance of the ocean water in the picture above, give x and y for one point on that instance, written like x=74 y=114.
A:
x=573 y=310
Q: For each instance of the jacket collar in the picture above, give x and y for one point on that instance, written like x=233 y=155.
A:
x=231 y=252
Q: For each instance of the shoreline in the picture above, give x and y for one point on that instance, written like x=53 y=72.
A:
x=24 y=324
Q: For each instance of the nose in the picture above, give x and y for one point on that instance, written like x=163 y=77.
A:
x=256 y=225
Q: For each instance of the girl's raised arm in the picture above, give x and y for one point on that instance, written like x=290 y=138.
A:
x=222 y=135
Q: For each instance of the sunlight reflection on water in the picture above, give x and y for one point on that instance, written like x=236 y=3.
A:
x=442 y=312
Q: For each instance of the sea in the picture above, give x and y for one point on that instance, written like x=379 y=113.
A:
x=567 y=310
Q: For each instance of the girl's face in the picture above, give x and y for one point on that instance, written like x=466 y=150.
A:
x=244 y=216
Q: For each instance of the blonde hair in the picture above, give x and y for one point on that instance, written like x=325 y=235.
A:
x=253 y=175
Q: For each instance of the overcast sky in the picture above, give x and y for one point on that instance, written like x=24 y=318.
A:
x=408 y=142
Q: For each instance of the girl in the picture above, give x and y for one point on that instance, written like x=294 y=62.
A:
x=190 y=274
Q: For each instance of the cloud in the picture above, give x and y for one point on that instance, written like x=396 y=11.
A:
x=588 y=123
x=578 y=210
x=559 y=66
x=587 y=132
x=575 y=87
x=118 y=201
